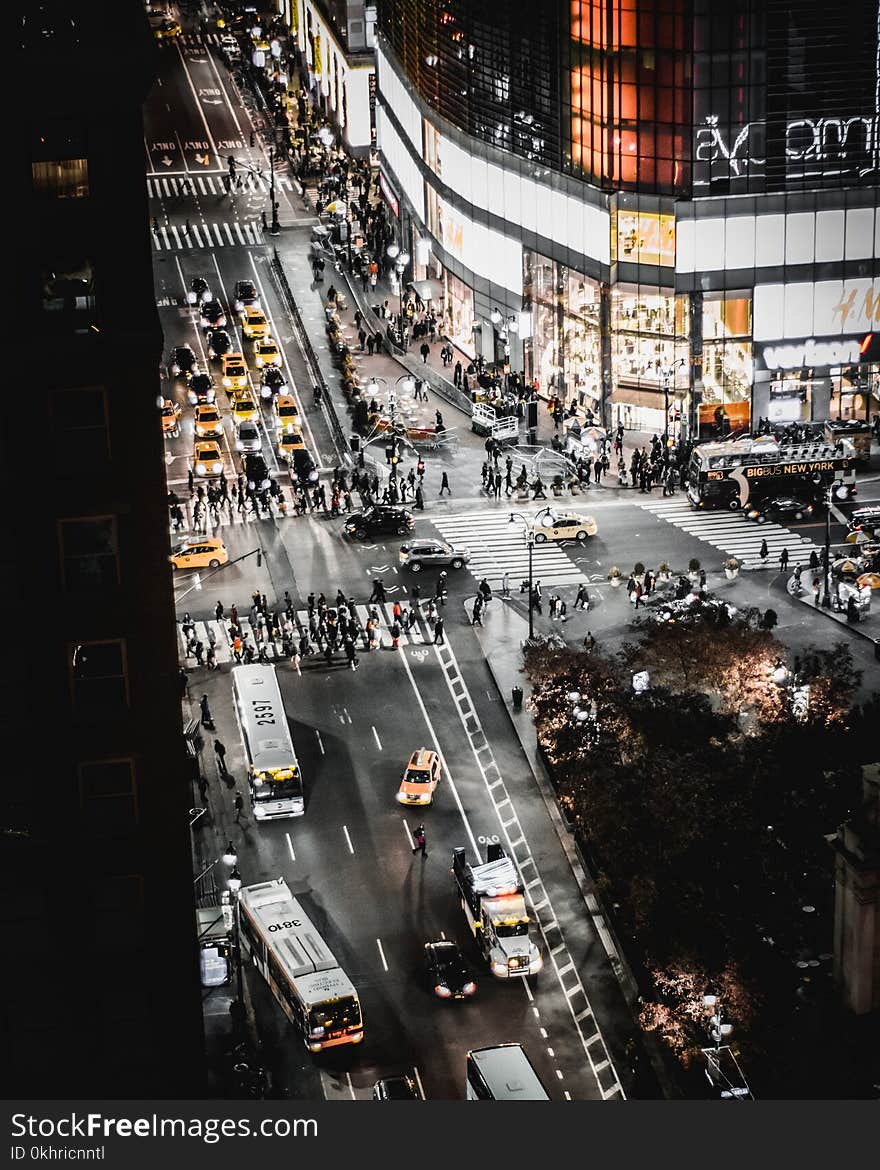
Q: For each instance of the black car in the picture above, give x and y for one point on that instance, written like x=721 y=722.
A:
x=199 y=291
x=181 y=362
x=447 y=973
x=783 y=508
x=380 y=518
x=218 y=343
x=396 y=1089
x=866 y=519
x=201 y=389
x=212 y=315
x=256 y=472
x=272 y=381
x=303 y=470
x=245 y=294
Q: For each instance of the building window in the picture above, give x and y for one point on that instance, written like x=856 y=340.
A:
x=89 y=553
x=118 y=912
x=727 y=364
x=79 y=423
x=646 y=238
x=108 y=797
x=67 y=293
x=66 y=178
x=99 y=676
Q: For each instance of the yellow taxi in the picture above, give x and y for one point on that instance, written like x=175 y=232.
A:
x=244 y=408
x=165 y=29
x=557 y=524
x=207 y=458
x=267 y=353
x=289 y=442
x=254 y=323
x=170 y=413
x=420 y=779
x=209 y=424
x=286 y=413
x=201 y=552
x=235 y=371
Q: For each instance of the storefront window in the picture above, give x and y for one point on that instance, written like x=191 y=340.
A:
x=459 y=313
x=649 y=348
x=646 y=238
x=727 y=364
x=854 y=394
x=565 y=350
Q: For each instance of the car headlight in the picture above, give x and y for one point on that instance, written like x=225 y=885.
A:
x=469 y=988
x=217 y=468
x=239 y=445
x=227 y=382
x=313 y=476
x=265 y=391
x=201 y=469
x=499 y=968
x=442 y=990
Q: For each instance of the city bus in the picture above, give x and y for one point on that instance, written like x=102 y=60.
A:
x=743 y=471
x=503 y=1073
x=314 y=992
x=273 y=771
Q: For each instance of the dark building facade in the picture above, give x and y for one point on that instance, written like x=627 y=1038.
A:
x=100 y=990
x=642 y=201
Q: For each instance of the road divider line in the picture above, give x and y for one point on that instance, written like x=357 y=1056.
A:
x=376 y=738
x=320 y=742
x=382 y=953
x=290 y=847
x=348 y=839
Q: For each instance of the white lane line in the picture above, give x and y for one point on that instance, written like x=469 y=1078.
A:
x=382 y=953
x=418 y=1079
x=376 y=738
x=201 y=111
x=567 y=1095
x=559 y=1075
x=348 y=839
x=350 y=1086
x=407 y=833
x=550 y=1052
x=528 y=991
x=452 y=787
x=320 y=742
x=290 y=847
x=543 y=1032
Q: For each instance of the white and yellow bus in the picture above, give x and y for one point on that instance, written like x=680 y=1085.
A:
x=314 y=992
x=273 y=770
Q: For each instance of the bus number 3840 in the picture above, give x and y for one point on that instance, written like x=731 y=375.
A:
x=273 y=926
x=264 y=714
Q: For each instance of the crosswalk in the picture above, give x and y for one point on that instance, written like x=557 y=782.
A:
x=733 y=533
x=206 y=235
x=216 y=633
x=498 y=547
x=172 y=186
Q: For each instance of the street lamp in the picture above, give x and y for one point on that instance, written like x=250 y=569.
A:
x=826 y=600
x=668 y=373
x=400 y=259
x=530 y=540
x=275 y=228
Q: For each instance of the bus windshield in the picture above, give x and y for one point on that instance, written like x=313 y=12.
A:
x=335 y=1014
x=276 y=787
x=512 y=929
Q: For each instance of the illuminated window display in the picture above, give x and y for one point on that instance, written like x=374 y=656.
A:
x=727 y=363
x=565 y=349
x=646 y=238
x=459 y=313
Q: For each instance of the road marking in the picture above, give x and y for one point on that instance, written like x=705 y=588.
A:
x=290 y=847
x=320 y=742
x=376 y=738
x=567 y=1095
x=543 y=1032
x=559 y=1075
x=350 y=1086
x=550 y=1051
x=409 y=836
x=382 y=953
x=528 y=990
x=418 y=1079
x=348 y=839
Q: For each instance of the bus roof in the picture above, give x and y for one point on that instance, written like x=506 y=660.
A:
x=508 y=1073
x=301 y=952
x=270 y=745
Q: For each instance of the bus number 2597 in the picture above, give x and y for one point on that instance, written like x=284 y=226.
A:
x=263 y=713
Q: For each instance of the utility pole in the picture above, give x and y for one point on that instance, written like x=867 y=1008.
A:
x=826 y=600
x=275 y=229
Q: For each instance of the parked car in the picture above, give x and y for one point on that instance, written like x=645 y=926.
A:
x=446 y=972
x=378 y=519
x=425 y=554
x=402 y=1088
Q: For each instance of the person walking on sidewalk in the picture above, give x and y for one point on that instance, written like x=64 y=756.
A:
x=439 y=638
x=505 y=584
x=477 y=619
x=444 y=484
x=378 y=594
x=582 y=601
x=783 y=560
x=763 y=552
x=420 y=841
x=239 y=807
x=220 y=753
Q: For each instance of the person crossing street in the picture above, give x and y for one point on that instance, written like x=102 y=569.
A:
x=420 y=841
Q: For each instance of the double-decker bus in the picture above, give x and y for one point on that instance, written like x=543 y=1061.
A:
x=273 y=770
x=743 y=471
x=314 y=992
x=503 y=1073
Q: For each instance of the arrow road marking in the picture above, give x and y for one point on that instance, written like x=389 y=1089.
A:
x=166 y=161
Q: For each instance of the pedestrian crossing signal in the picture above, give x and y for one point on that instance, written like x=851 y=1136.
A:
x=869 y=350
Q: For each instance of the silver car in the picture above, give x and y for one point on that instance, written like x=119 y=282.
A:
x=419 y=554
x=247 y=437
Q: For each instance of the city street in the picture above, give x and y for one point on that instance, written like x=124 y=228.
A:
x=350 y=857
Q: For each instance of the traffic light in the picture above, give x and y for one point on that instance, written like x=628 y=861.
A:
x=869 y=350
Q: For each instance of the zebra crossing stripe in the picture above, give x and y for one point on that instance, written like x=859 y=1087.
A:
x=733 y=533
x=195 y=232
x=497 y=547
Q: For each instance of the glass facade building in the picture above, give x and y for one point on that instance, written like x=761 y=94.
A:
x=672 y=204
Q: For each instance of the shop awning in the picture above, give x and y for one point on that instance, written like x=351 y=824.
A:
x=630 y=396
x=428 y=290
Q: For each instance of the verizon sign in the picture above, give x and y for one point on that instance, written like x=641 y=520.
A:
x=811 y=353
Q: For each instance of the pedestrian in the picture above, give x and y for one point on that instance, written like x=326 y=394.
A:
x=783 y=560
x=553 y=604
x=424 y=350
x=239 y=806
x=203 y=789
x=589 y=642
x=351 y=653
x=378 y=593
x=394 y=630
x=505 y=585
x=816 y=592
x=763 y=552
x=420 y=841
x=438 y=632
x=582 y=600
x=477 y=619
x=207 y=719
x=444 y=484
x=220 y=753
x=218 y=611
x=638 y=591
x=198 y=651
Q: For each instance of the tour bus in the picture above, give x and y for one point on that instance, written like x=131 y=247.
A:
x=733 y=474
x=273 y=771
x=503 y=1073
x=314 y=992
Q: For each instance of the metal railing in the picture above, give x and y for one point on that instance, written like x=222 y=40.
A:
x=327 y=406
